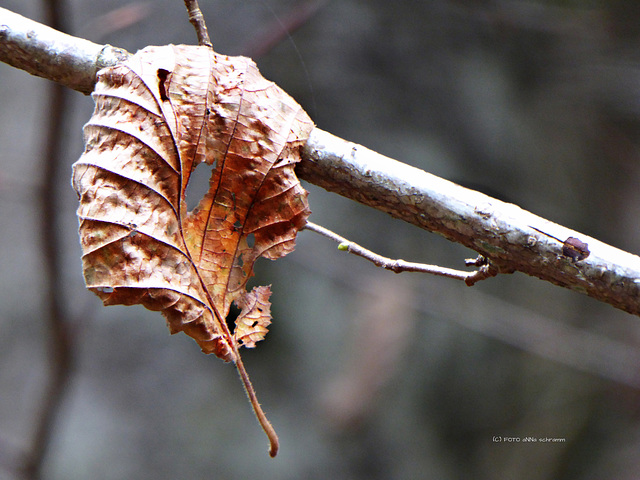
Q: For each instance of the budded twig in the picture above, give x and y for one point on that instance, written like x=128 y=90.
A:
x=399 y=265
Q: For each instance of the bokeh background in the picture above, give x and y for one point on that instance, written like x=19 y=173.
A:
x=365 y=374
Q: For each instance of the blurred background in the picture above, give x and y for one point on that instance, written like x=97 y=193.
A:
x=365 y=374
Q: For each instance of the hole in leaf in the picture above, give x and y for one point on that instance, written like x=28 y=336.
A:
x=198 y=184
x=251 y=240
x=162 y=87
x=233 y=315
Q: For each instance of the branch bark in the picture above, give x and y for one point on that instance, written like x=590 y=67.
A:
x=511 y=238
x=48 y=53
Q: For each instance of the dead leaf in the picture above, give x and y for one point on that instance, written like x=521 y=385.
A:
x=255 y=317
x=157 y=117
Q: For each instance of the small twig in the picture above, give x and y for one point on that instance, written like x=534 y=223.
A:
x=470 y=278
x=197 y=20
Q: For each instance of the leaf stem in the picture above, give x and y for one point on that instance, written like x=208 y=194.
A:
x=264 y=422
x=197 y=20
x=399 y=265
x=274 y=444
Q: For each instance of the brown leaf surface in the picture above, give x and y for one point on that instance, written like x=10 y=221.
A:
x=255 y=317
x=157 y=117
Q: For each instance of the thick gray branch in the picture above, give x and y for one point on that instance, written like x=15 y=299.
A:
x=48 y=53
x=510 y=237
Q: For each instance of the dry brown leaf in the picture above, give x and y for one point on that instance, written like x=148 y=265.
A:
x=157 y=117
x=255 y=317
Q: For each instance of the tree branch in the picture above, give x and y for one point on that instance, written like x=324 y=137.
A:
x=48 y=53
x=197 y=20
x=511 y=238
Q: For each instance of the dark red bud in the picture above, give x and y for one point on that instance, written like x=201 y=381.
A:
x=575 y=249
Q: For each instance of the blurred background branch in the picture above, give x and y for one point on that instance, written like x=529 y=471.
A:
x=60 y=344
